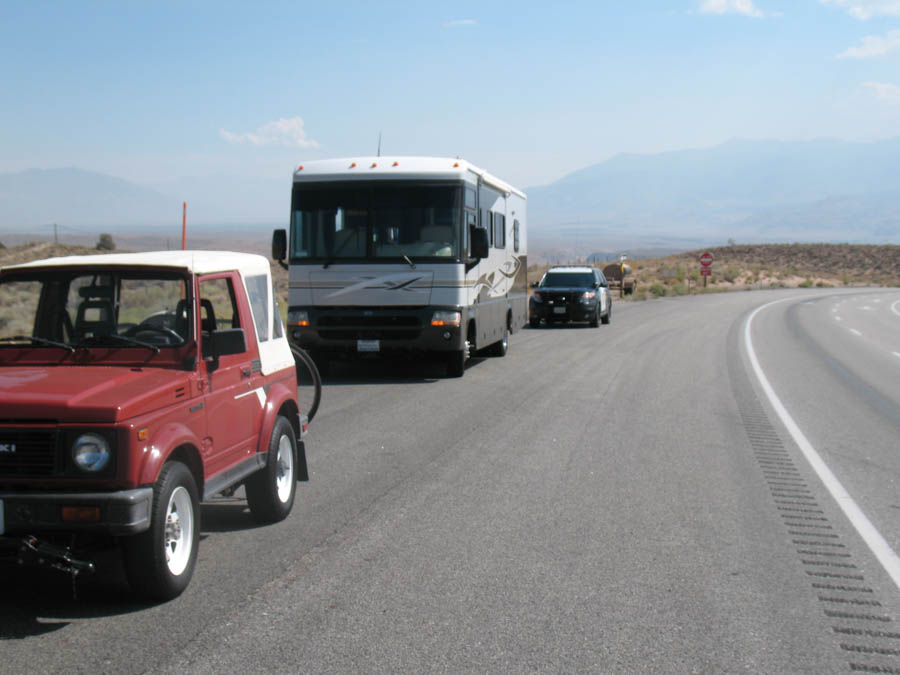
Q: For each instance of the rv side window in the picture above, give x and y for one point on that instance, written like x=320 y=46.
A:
x=516 y=235
x=470 y=198
x=487 y=223
x=499 y=230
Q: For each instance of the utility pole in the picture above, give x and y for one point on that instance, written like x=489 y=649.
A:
x=55 y=236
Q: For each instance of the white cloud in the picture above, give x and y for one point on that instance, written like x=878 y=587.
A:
x=288 y=132
x=866 y=9
x=873 y=46
x=458 y=23
x=885 y=91
x=745 y=7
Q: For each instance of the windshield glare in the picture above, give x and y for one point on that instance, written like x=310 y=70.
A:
x=87 y=308
x=568 y=279
x=332 y=222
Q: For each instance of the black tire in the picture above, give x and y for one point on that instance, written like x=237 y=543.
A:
x=500 y=347
x=271 y=490
x=608 y=316
x=456 y=363
x=534 y=322
x=159 y=562
x=594 y=322
x=309 y=383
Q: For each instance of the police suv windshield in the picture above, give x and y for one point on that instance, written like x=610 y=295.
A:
x=568 y=280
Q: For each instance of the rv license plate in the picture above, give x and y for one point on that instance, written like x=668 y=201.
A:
x=559 y=310
x=368 y=345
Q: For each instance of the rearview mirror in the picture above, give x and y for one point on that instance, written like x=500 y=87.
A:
x=479 y=242
x=279 y=245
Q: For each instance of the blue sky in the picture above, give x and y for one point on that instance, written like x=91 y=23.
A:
x=164 y=92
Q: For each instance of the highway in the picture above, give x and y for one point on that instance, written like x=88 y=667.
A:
x=628 y=498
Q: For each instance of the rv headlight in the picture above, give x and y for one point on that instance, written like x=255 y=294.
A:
x=90 y=452
x=445 y=319
x=295 y=317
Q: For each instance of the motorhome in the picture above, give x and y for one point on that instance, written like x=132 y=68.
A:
x=416 y=256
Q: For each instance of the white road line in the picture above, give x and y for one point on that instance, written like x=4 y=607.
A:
x=855 y=332
x=837 y=318
x=877 y=543
x=895 y=308
x=896 y=354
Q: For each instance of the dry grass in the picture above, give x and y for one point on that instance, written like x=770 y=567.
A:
x=741 y=267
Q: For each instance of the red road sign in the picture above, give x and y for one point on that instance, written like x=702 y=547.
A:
x=706 y=271
x=706 y=259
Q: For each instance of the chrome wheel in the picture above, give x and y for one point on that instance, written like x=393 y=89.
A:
x=284 y=471
x=179 y=531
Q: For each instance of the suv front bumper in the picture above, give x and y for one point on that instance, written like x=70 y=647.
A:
x=118 y=513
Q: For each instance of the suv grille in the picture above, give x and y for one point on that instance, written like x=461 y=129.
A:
x=28 y=452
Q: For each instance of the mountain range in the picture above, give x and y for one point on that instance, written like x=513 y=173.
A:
x=752 y=191
x=748 y=191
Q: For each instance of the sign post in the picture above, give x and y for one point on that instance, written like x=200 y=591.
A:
x=706 y=260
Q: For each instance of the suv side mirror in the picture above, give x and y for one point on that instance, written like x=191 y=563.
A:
x=279 y=246
x=224 y=342
x=479 y=242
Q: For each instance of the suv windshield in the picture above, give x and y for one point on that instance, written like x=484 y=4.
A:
x=84 y=308
x=337 y=221
x=568 y=280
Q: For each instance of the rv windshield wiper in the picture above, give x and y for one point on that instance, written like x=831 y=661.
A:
x=406 y=258
x=339 y=249
x=99 y=339
x=38 y=340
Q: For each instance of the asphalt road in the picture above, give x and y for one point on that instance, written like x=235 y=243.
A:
x=619 y=499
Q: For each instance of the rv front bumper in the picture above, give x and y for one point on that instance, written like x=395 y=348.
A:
x=377 y=331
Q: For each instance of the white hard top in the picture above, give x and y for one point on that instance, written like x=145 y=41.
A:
x=397 y=167
x=198 y=262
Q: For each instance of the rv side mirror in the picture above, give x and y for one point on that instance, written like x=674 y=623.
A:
x=479 y=242
x=279 y=245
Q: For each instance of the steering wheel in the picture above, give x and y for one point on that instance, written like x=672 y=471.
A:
x=169 y=333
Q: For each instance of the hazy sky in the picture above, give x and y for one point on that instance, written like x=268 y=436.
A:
x=157 y=92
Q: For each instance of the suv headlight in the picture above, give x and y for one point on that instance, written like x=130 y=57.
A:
x=91 y=452
x=588 y=296
x=536 y=296
x=446 y=319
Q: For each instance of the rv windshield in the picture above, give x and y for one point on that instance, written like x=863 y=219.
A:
x=343 y=221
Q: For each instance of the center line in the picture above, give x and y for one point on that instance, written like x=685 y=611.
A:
x=877 y=543
x=855 y=332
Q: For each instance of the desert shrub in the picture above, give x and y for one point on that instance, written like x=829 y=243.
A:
x=678 y=289
x=658 y=290
x=106 y=243
x=731 y=274
x=807 y=283
x=823 y=284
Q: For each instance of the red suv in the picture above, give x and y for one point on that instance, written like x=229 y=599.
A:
x=132 y=387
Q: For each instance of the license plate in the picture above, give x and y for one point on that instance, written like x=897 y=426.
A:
x=368 y=345
x=2 y=526
x=559 y=310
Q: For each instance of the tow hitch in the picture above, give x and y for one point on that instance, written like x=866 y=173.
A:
x=32 y=551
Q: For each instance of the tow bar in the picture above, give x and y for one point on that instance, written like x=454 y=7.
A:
x=44 y=554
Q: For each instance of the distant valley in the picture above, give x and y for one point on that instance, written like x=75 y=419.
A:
x=743 y=191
